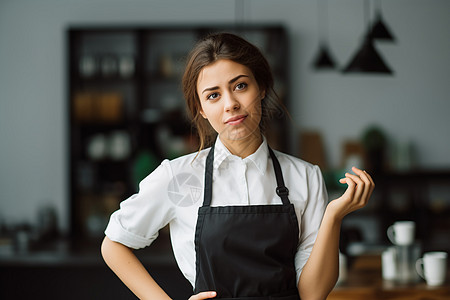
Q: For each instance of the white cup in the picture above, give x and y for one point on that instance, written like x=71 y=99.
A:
x=389 y=264
x=342 y=269
x=432 y=267
x=402 y=233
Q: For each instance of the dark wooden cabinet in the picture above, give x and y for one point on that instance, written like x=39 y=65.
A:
x=127 y=112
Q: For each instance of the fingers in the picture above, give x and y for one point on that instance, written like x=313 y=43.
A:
x=350 y=191
x=203 y=295
x=357 y=194
x=371 y=181
x=363 y=185
x=368 y=181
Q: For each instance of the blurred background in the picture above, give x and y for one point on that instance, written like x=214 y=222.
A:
x=90 y=103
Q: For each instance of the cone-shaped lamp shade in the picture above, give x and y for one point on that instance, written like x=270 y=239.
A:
x=380 y=31
x=367 y=60
x=324 y=60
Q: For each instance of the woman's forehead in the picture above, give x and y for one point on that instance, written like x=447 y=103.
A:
x=221 y=72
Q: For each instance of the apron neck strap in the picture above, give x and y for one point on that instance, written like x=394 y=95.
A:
x=282 y=190
x=208 y=177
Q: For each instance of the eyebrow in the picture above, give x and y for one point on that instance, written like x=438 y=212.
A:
x=229 y=82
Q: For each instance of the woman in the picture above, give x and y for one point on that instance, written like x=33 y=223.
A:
x=263 y=228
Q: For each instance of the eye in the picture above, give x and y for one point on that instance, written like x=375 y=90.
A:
x=212 y=96
x=240 y=86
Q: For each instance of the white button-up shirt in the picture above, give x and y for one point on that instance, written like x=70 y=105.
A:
x=173 y=193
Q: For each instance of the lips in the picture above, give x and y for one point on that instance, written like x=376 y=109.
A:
x=236 y=120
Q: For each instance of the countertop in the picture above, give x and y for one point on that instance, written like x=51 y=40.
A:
x=364 y=281
x=63 y=253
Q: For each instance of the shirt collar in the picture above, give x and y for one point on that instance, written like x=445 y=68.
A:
x=259 y=157
x=221 y=153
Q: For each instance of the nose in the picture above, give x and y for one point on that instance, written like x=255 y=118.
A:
x=231 y=103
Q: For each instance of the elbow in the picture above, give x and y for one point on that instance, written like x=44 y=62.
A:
x=315 y=296
x=318 y=292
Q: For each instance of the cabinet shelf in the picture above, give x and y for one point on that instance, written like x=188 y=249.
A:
x=93 y=125
x=111 y=80
x=158 y=79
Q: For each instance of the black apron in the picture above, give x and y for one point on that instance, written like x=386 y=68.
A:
x=246 y=252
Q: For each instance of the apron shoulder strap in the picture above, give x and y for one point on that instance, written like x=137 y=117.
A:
x=208 y=177
x=282 y=190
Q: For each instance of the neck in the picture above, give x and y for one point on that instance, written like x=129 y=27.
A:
x=243 y=147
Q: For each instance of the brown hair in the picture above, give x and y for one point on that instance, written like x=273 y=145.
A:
x=232 y=47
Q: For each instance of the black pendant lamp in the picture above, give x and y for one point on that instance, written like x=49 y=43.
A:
x=323 y=60
x=367 y=59
x=380 y=31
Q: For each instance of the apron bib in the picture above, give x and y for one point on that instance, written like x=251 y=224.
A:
x=246 y=252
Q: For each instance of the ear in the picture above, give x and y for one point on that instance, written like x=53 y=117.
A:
x=203 y=114
x=263 y=94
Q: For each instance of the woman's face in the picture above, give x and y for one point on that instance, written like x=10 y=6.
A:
x=230 y=99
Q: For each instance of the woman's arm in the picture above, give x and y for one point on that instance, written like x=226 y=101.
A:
x=321 y=271
x=130 y=270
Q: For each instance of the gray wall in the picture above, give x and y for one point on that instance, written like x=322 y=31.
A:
x=412 y=105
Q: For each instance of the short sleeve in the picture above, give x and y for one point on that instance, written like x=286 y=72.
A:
x=311 y=218
x=138 y=220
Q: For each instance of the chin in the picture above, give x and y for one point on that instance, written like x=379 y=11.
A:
x=239 y=134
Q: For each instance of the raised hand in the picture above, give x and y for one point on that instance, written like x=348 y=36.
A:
x=359 y=190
